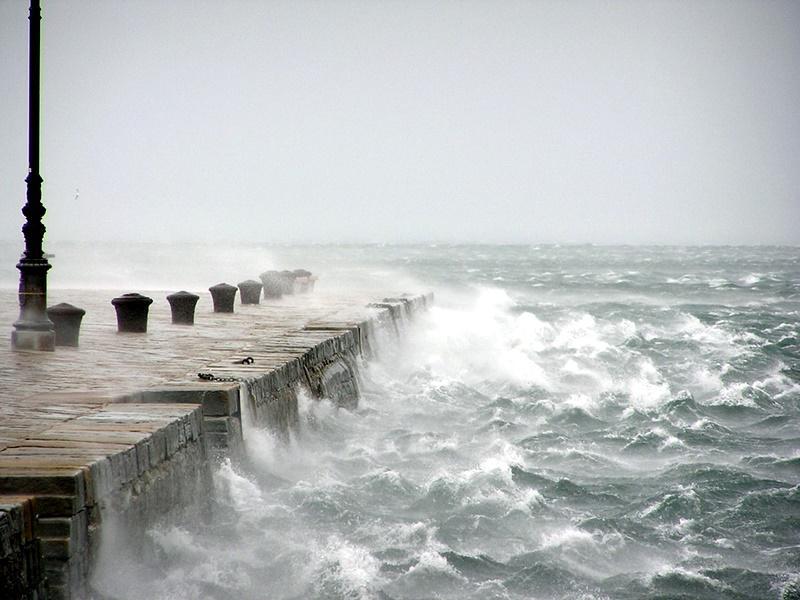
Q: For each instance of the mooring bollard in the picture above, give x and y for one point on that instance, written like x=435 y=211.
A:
x=223 y=296
x=301 y=285
x=287 y=282
x=67 y=322
x=302 y=280
x=132 y=312
x=182 y=305
x=250 y=291
x=271 y=280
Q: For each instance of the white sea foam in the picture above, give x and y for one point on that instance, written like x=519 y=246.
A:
x=706 y=380
x=734 y=394
x=684 y=494
x=568 y=536
x=581 y=401
x=243 y=494
x=353 y=566
x=751 y=279
x=690 y=575
x=581 y=335
x=432 y=561
x=483 y=342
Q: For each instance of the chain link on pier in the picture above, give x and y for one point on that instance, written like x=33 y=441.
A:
x=212 y=377
x=248 y=360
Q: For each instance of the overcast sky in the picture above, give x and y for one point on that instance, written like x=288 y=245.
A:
x=604 y=122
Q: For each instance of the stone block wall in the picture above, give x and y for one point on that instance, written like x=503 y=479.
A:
x=21 y=572
x=140 y=461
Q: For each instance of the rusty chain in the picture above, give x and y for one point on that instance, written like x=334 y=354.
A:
x=248 y=360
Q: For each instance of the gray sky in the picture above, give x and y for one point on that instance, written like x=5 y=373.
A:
x=605 y=122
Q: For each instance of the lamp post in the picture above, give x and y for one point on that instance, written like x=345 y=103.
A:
x=33 y=330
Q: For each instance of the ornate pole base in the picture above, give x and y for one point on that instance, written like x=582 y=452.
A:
x=33 y=330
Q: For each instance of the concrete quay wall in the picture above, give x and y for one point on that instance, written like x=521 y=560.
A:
x=142 y=457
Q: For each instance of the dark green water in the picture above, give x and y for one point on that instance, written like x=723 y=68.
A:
x=567 y=422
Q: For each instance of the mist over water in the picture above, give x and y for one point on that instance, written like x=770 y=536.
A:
x=566 y=422
x=198 y=265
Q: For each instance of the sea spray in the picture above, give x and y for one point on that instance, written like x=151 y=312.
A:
x=598 y=423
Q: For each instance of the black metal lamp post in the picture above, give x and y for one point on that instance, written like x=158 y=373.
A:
x=33 y=330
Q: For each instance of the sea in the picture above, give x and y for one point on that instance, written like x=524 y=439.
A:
x=565 y=422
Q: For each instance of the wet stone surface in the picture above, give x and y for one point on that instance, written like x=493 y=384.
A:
x=41 y=389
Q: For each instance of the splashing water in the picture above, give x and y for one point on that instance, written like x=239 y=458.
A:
x=565 y=423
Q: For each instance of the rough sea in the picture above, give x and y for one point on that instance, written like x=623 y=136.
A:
x=567 y=422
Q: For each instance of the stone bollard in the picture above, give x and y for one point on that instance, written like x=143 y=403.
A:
x=250 y=292
x=223 y=296
x=132 y=312
x=300 y=285
x=67 y=321
x=302 y=280
x=287 y=282
x=182 y=305
x=273 y=288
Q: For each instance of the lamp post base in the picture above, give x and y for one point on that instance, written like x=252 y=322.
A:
x=31 y=339
x=33 y=330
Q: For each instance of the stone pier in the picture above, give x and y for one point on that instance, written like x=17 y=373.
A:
x=123 y=425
